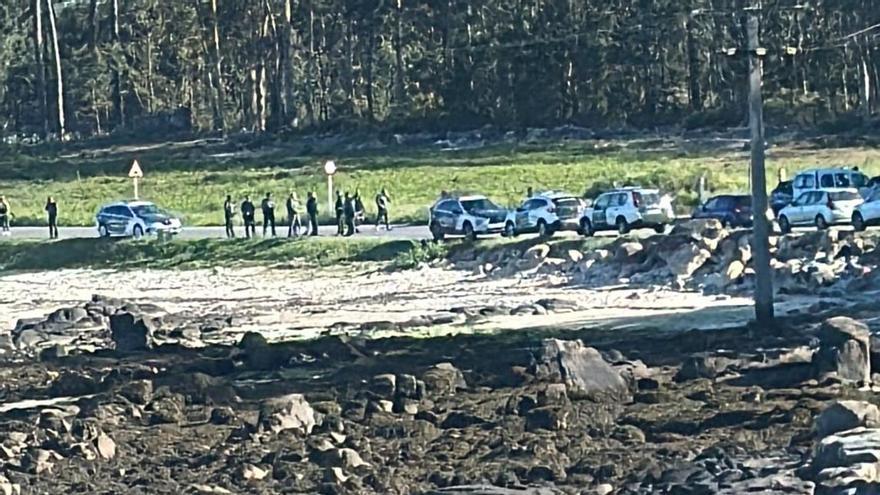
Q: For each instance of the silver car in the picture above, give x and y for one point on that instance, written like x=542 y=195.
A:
x=135 y=219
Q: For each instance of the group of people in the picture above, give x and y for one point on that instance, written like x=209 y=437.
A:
x=349 y=208
x=6 y=216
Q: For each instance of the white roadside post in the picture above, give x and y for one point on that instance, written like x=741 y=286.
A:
x=135 y=173
x=330 y=169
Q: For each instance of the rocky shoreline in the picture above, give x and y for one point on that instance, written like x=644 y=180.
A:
x=747 y=409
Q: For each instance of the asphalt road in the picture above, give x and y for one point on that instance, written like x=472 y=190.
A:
x=397 y=232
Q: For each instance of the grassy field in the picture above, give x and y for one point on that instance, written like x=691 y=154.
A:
x=193 y=179
x=190 y=254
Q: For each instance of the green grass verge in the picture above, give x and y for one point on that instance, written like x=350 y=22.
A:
x=193 y=181
x=190 y=254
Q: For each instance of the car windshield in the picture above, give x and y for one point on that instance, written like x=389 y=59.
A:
x=144 y=210
x=783 y=188
x=483 y=204
x=859 y=180
x=742 y=201
x=567 y=202
x=844 y=196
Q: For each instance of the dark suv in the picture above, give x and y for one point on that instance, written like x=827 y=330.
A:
x=732 y=210
x=781 y=196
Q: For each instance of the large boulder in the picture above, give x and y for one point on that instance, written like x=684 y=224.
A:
x=846 y=460
x=444 y=379
x=686 y=260
x=846 y=415
x=703 y=366
x=288 y=412
x=582 y=369
x=131 y=333
x=845 y=349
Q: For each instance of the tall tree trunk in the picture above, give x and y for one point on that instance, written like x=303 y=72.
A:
x=399 y=90
x=118 y=103
x=695 y=96
x=150 y=88
x=93 y=24
x=285 y=55
x=865 y=105
x=39 y=49
x=371 y=103
x=219 y=93
x=62 y=130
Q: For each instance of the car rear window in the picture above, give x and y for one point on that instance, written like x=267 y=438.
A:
x=844 y=196
x=567 y=202
x=743 y=201
x=478 y=205
x=648 y=199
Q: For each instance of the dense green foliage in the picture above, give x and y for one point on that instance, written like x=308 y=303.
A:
x=165 y=65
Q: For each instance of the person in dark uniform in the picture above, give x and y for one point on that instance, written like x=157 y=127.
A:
x=52 y=213
x=228 y=215
x=349 y=210
x=312 y=211
x=360 y=212
x=340 y=214
x=5 y=215
x=268 y=207
x=382 y=201
x=293 y=223
x=247 y=215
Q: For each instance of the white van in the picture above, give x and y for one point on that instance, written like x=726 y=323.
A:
x=824 y=179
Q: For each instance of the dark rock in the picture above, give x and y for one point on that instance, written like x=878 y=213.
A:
x=628 y=434
x=408 y=387
x=384 y=385
x=131 y=333
x=702 y=366
x=460 y=419
x=444 y=379
x=648 y=384
x=547 y=418
x=289 y=412
x=582 y=369
x=223 y=416
x=846 y=415
x=74 y=383
x=139 y=392
x=53 y=353
x=167 y=408
x=845 y=349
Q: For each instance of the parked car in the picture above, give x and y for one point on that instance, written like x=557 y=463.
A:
x=545 y=213
x=867 y=213
x=626 y=209
x=781 y=196
x=469 y=216
x=732 y=210
x=820 y=208
x=135 y=219
x=829 y=179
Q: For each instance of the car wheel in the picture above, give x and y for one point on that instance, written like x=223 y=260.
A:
x=437 y=232
x=544 y=230
x=622 y=226
x=784 y=225
x=103 y=231
x=469 y=233
x=821 y=224
x=587 y=228
x=137 y=232
x=509 y=230
x=660 y=229
x=858 y=222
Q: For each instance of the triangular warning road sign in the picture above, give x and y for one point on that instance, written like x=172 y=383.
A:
x=135 y=171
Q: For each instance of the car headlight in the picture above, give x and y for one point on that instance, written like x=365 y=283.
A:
x=482 y=221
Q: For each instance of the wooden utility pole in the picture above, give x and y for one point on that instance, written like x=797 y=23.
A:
x=761 y=231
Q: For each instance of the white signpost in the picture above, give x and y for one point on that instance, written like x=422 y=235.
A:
x=330 y=169
x=135 y=173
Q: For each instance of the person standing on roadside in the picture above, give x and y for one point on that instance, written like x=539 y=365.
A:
x=340 y=214
x=360 y=212
x=52 y=213
x=268 y=207
x=349 y=211
x=312 y=211
x=293 y=223
x=382 y=201
x=228 y=215
x=247 y=215
x=5 y=215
